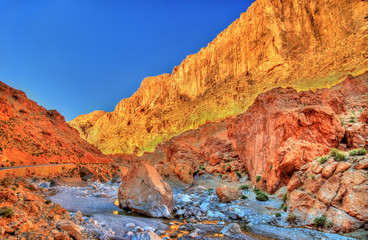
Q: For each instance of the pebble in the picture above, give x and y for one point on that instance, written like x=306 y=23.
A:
x=130 y=225
x=149 y=229
x=138 y=229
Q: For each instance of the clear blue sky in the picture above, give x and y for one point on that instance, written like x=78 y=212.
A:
x=78 y=56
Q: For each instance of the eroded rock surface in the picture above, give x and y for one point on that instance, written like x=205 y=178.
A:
x=282 y=131
x=341 y=195
x=145 y=192
x=32 y=135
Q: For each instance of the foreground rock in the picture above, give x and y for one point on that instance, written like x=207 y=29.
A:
x=228 y=194
x=144 y=191
x=336 y=190
x=146 y=236
x=26 y=215
x=231 y=229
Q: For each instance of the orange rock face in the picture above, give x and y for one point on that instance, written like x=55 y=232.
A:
x=284 y=129
x=191 y=152
x=341 y=195
x=30 y=134
x=301 y=44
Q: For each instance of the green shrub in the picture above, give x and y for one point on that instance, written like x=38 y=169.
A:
x=238 y=174
x=312 y=176
x=340 y=157
x=258 y=178
x=47 y=201
x=358 y=152
x=329 y=224
x=243 y=187
x=277 y=214
x=320 y=221
x=260 y=195
x=6 y=212
x=220 y=175
x=284 y=208
x=291 y=217
x=323 y=159
x=256 y=190
x=337 y=154
x=284 y=197
x=244 y=196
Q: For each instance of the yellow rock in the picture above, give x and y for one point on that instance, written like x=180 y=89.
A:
x=301 y=44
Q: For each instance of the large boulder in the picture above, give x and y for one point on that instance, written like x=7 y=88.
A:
x=228 y=194
x=337 y=190
x=143 y=191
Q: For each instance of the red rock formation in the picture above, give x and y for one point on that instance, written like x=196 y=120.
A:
x=30 y=216
x=190 y=153
x=337 y=190
x=285 y=129
x=30 y=134
x=282 y=131
x=300 y=44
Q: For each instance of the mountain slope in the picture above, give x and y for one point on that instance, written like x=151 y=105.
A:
x=32 y=135
x=301 y=44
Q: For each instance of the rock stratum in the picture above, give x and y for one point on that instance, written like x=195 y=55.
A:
x=33 y=135
x=300 y=44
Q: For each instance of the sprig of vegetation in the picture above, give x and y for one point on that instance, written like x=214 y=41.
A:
x=320 y=221
x=243 y=187
x=337 y=154
x=291 y=218
x=258 y=178
x=358 y=152
x=260 y=195
x=322 y=159
x=6 y=212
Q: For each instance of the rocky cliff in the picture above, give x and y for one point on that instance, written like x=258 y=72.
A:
x=300 y=44
x=284 y=129
x=32 y=135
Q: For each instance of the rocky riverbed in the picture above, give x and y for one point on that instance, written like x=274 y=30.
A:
x=198 y=214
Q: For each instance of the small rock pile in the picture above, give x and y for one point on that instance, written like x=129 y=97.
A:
x=26 y=215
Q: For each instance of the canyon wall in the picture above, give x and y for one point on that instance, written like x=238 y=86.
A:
x=291 y=43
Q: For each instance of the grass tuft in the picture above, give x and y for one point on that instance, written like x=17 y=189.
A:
x=358 y=152
x=337 y=154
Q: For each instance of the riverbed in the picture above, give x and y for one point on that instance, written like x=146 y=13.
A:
x=198 y=212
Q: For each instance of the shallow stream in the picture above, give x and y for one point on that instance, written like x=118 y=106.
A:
x=105 y=220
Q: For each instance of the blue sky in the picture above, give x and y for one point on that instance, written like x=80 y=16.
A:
x=78 y=56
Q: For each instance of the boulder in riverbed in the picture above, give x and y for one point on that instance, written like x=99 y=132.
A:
x=144 y=191
x=228 y=194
